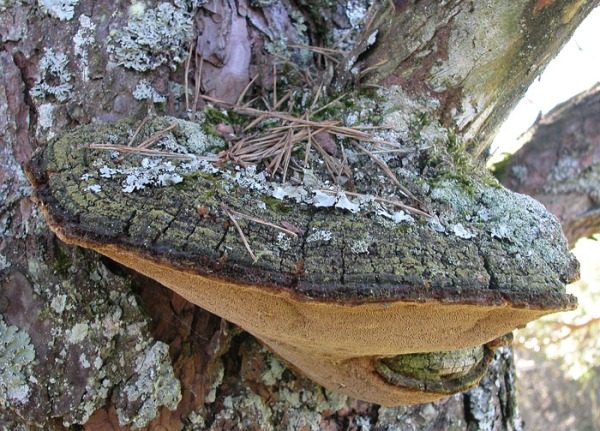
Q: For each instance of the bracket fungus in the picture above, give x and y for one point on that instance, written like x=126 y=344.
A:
x=388 y=309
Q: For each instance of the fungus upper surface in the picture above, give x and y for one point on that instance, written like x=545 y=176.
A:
x=482 y=245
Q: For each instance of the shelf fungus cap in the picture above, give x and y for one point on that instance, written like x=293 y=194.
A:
x=392 y=312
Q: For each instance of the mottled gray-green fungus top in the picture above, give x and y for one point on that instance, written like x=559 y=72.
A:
x=480 y=244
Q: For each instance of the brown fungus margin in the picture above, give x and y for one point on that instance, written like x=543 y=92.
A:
x=337 y=329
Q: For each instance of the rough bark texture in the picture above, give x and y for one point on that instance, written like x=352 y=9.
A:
x=559 y=164
x=84 y=341
x=474 y=59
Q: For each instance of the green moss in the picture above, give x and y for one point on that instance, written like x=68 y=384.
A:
x=216 y=116
x=459 y=167
x=499 y=169
x=276 y=205
x=420 y=120
x=62 y=262
x=402 y=228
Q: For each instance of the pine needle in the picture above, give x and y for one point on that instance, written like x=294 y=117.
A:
x=147 y=152
x=263 y=222
x=240 y=232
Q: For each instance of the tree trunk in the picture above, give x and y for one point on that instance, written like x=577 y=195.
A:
x=558 y=164
x=85 y=341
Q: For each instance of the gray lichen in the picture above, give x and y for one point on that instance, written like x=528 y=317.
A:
x=82 y=41
x=481 y=405
x=245 y=410
x=144 y=91
x=93 y=330
x=322 y=235
x=152 y=37
x=273 y=373
x=293 y=403
x=153 y=385
x=16 y=357
x=516 y=224
x=54 y=76
x=4 y=263
x=64 y=10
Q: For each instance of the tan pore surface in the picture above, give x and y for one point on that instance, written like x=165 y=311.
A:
x=331 y=343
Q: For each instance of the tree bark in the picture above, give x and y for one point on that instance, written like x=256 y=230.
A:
x=559 y=162
x=84 y=338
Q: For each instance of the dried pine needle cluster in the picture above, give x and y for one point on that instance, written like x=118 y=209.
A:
x=279 y=140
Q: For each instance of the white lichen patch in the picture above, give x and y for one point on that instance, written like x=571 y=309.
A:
x=273 y=372
x=46 y=115
x=396 y=216
x=506 y=223
x=188 y=138
x=94 y=188
x=4 y=263
x=197 y=141
x=283 y=241
x=82 y=41
x=343 y=202
x=501 y=231
x=323 y=235
x=361 y=246
x=144 y=91
x=520 y=172
x=304 y=419
x=16 y=356
x=196 y=421
x=364 y=422
x=77 y=333
x=83 y=361
x=98 y=363
x=217 y=380
x=152 y=172
x=137 y=9
x=246 y=408
x=355 y=11
x=58 y=303
x=323 y=200
x=153 y=386
x=153 y=38
x=565 y=168
x=54 y=76
x=460 y=231
x=64 y=10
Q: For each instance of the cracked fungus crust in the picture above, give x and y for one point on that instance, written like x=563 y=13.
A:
x=484 y=244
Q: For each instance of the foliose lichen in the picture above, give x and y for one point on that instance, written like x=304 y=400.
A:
x=82 y=41
x=53 y=68
x=4 y=263
x=144 y=91
x=154 y=385
x=46 y=119
x=64 y=10
x=244 y=410
x=16 y=357
x=152 y=37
